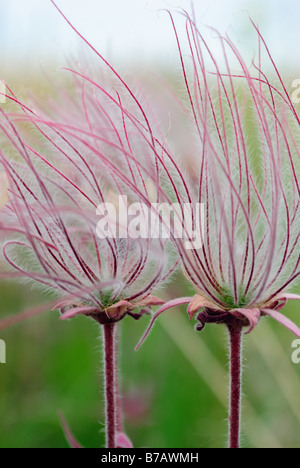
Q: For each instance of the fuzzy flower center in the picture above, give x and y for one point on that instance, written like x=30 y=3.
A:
x=229 y=300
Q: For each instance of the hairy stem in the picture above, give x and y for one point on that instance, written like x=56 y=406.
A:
x=235 y=333
x=119 y=409
x=110 y=384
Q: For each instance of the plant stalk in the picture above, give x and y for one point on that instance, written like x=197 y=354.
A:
x=235 y=334
x=110 y=384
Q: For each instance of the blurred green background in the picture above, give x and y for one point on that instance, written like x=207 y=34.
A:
x=175 y=388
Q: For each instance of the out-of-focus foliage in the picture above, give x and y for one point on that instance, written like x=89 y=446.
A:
x=175 y=386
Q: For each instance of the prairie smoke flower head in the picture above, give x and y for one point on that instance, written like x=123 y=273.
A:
x=95 y=148
x=245 y=168
x=57 y=179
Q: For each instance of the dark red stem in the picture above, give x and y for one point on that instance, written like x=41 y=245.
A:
x=235 y=333
x=119 y=403
x=110 y=382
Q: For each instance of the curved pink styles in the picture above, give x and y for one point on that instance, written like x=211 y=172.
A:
x=244 y=165
x=54 y=180
x=242 y=162
x=94 y=143
x=234 y=191
x=53 y=183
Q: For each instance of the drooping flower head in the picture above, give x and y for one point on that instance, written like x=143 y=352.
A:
x=83 y=153
x=58 y=178
x=244 y=167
